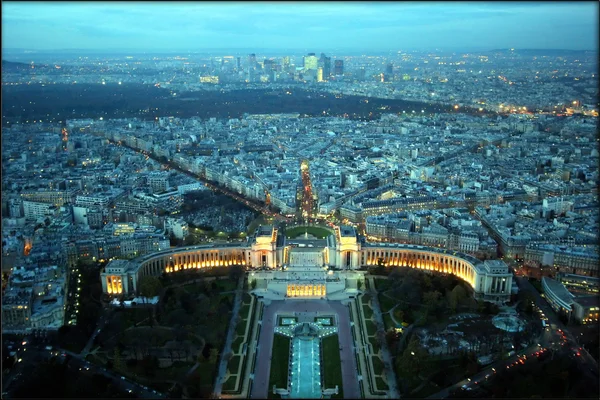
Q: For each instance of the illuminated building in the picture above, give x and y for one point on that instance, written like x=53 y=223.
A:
x=580 y=283
x=584 y=309
x=56 y=197
x=310 y=62
x=65 y=138
x=320 y=74
x=568 y=259
x=34 y=299
x=302 y=267
x=209 y=79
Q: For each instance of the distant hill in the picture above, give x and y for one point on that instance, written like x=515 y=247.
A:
x=8 y=66
x=542 y=52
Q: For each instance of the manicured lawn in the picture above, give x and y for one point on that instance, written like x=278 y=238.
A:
x=381 y=385
x=246 y=298
x=382 y=284
x=240 y=329
x=229 y=384
x=320 y=233
x=244 y=311
x=280 y=361
x=366 y=297
x=375 y=344
x=235 y=346
x=203 y=378
x=368 y=312
x=158 y=335
x=225 y=285
x=233 y=364
x=385 y=302
x=371 y=328
x=332 y=368
x=388 y=322
x=377 y=366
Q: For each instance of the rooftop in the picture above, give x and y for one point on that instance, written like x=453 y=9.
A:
x=587 y=301
x=347 y=231
x=264 y=230
x=558 y=289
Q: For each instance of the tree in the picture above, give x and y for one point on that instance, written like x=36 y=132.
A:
x=396 y=275
x=150 y=286
x=253 y=285
x=213 y=356
x=426 y=283
x=408 y=291
x=398 y=314
x=235 y=272
x=150 y=364
x=431 y=300
x=414 y=361
x=455 y=297
x=117 y=362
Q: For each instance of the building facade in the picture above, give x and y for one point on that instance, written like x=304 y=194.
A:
x=328 y=266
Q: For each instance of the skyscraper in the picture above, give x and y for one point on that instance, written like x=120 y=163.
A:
x=310 y=62
x=320 y=74
x=325 y=62
x=361 y=74
x=269 y=64
x=338 y=67
x=238 y=63
x=252 y=61
x=389 y=69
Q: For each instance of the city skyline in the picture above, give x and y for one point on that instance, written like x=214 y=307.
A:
x=291 y=26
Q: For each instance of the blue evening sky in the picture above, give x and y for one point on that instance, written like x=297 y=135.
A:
x=315 y=26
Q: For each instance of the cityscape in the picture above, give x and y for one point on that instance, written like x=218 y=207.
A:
x=300 y=200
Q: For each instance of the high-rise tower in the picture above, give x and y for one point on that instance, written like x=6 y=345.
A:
x=338 y=69
x=325 y=62
x=252 y=61
x=310 y=62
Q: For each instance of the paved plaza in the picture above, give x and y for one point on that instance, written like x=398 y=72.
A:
x=305 y=310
